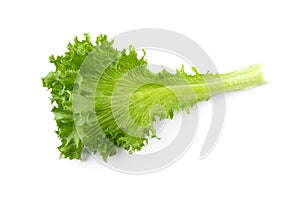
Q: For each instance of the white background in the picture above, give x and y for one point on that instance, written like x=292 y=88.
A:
x=258 y=155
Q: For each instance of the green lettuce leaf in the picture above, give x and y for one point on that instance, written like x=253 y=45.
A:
x=105 y=99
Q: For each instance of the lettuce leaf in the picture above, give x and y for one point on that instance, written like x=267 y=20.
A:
x=105 y=99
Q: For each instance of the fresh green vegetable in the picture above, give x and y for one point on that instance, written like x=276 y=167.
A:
x=105 y=99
